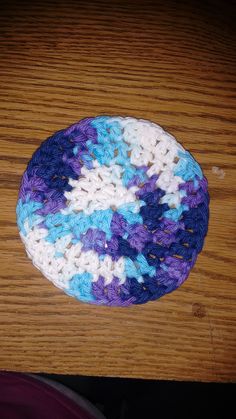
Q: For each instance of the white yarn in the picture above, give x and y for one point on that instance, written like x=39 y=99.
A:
x=73 y=260
x=99 y=189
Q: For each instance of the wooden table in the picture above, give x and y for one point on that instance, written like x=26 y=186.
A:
x=175 y=66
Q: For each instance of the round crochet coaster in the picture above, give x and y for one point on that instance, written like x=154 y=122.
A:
x=113 y=211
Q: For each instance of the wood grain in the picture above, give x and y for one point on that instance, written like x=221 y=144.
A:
x=61 y=61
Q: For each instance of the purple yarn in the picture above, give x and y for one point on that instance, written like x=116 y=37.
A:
x=94 y=239
x=52 y=206
x=193 y=200
x=32 y=188
x=112 y=248
x=166 y=234
x=138 y=236
x=85 y=131
x=110 y=294
x=135 y=181
x=179 y=269
x=74 y=162
x=149 y=186
x=192 y=187
x=118 y=224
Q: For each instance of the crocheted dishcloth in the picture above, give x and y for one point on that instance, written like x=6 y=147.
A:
x=113 y=210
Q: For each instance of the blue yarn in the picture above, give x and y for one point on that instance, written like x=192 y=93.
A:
x=129 y=212
x=81 y=287
x=175 y=214
x=130 y=172
x=122 y=157
x=115 y=131
x=104 y=151
x=88 y=160
x=144 y=267
x=60 y=225
x=75 y=150
x=103 y=156
x=104 y=126
x=58 y=255
x=99 y=123
x=102 y=220
x=128 y=175
x=26 y=211
x=131 y=269
x=56 y=233
x=187 y=168
x=138 y=267
x=170 y=198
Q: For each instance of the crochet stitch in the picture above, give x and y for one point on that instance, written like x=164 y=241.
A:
x=113 y=211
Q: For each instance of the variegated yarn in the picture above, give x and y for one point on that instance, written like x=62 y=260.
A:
x=113 y=210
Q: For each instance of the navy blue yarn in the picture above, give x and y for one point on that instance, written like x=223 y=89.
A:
x=124 y=249
x=196 y=219
x=148 y=290
x=153 y=252
x=77 y=136
x=180 y=250
x=193 y=240
x=47 y=161
x=152 y=213
x=112 y=252
x=137 y=290
x=152 y=198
